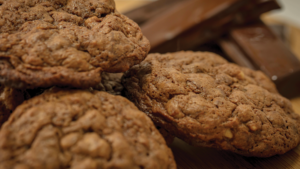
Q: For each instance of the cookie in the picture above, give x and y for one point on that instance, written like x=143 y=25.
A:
x=206 y=101
x=9 y=99
x=65 y=42
x=81 y=129
x=111 y=83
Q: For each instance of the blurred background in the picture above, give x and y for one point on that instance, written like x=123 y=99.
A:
x=288 y=15
x=290 y=12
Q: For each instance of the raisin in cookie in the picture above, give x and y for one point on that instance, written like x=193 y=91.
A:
x=9 y=99
x=81 y=129
x=65 y=42
x=206 y=101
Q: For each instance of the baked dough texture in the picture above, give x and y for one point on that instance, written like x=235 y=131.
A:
x=206 y=101
x=44 y=43
x=81 y=129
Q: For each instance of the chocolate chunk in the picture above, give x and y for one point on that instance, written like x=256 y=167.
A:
x=252 y=45
x=187 y=24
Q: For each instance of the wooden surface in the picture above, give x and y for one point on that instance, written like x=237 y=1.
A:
x=188 y=157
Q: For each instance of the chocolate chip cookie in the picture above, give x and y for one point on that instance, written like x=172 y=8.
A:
x=206 y=101
x=81 y=129
x=65 y=42
x=9 y=99
x=111 y=83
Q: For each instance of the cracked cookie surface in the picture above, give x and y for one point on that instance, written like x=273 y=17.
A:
x=81 y=129
x=206 y=101
x=65 y=42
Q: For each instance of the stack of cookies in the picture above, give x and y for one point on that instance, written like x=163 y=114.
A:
x=61 y=69
x=56 y=55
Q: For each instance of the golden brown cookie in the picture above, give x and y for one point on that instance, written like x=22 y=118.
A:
x=81 y=129
x=65 y=42
x=206 y=101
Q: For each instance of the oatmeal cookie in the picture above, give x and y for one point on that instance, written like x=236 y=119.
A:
x=81 y=129
x=206 y=101
x=65 y=42
x=9 y=99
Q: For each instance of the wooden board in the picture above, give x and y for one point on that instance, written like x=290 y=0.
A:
x=188 y=157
